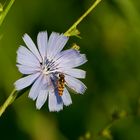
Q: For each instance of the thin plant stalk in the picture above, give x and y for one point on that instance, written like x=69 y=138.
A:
x=74 y=26
x=8 y=101
x=5 y=11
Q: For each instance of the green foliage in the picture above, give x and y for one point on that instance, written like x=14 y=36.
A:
x=110 y=38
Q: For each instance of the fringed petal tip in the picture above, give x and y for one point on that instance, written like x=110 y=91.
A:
x=56 y=43
x=42 y=41
x=55 y=103
x=56 y=109
x=41 y=99
x=75 y=84
x=32 y=47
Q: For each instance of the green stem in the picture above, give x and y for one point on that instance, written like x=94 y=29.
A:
x=5 y=11
x=69 y=32
x=13 y=94
x=9 y=100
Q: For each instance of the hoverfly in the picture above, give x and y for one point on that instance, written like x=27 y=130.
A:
x=61 y=84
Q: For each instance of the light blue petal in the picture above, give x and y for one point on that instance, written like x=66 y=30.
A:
x=36 y=87
x=65 y=57
x=75 y=84
x=73 y=62
x=25 y=57
x=69 y=59
x=30 y=44
x=43 y=94
x=66 y=97
x=41 y=99
x=42 y=41
x=66 y=54
x=55 y=44
x=54 y=104
x=51 y=43
x=26 y=81
x=27 y=69
x=77 y=73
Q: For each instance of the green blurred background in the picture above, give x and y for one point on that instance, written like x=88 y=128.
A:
x=111 y=41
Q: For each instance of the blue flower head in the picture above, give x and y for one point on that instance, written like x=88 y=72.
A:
x=49 y=70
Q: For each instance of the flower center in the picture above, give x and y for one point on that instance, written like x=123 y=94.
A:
x=48 y=66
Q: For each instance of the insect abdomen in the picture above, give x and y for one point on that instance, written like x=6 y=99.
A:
x=61 y=85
